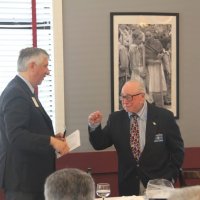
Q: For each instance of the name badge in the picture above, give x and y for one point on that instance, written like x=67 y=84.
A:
x=35 y=102
x=158 y=137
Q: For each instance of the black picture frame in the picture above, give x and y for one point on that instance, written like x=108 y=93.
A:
x=165 y=29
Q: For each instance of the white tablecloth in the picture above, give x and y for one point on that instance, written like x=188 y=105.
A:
x=124 y=198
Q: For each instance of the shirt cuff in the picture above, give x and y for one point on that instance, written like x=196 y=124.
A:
x=93 y=126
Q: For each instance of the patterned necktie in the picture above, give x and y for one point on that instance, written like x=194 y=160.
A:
x=134 y=136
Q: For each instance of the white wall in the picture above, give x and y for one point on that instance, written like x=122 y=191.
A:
x=86 y=25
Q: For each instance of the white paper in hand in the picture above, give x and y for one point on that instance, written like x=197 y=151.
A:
x=73 y=140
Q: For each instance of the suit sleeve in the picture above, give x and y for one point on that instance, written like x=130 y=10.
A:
x=101 y=138
x=25 y=128
x=175 y=143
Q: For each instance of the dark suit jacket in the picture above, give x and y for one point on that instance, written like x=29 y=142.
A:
x=162 y=155
x=26 y=157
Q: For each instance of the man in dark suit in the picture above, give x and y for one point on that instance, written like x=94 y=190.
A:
x=27 y=141
x=161 y=145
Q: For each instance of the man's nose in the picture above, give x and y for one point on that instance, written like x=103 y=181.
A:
x=48 y=72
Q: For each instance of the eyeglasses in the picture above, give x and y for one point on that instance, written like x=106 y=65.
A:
x=128 y=97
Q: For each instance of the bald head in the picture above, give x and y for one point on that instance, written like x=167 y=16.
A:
x=133 y=96
x=134 y=86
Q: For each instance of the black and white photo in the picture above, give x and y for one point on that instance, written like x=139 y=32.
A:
x=144 y=46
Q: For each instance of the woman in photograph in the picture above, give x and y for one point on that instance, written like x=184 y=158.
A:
x=137 y=56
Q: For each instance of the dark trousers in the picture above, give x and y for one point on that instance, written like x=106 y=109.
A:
x=18 y=195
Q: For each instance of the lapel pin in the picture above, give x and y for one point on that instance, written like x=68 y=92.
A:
x=154 y=123
x=35 y=102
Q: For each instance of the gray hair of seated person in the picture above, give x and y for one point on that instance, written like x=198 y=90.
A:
x=69 y=184
x=186 y=193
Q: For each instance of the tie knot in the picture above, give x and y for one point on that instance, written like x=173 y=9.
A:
x=134 y=116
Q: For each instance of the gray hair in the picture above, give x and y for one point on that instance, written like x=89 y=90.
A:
x=139 y=85
x=69 y=184
x=28 y=55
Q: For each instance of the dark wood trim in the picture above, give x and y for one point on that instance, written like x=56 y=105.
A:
x=99 y=162
x=192 y=158
x=191 y=166
x=103 y=165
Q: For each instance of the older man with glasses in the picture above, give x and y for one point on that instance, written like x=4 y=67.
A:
x=156 y=152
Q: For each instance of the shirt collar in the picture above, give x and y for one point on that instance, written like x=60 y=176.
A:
x=27 y=83
x=142 y=114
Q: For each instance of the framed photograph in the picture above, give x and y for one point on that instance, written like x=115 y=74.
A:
x=144 y=46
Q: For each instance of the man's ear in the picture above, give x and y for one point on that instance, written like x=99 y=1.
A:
x=31 y=65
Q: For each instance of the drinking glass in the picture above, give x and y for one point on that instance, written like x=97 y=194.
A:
x=159 y=189
x=103 y=190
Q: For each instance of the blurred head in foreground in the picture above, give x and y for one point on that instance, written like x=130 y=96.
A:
x=69 y=184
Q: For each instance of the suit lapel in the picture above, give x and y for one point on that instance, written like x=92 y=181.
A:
x=31 y=96
x=125 y=131
x=38 y=104
x=41 y=108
